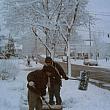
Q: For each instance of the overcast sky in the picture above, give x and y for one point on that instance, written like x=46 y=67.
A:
x=102 y=10
x=99 y=9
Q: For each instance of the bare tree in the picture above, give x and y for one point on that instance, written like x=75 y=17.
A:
x=55 y=18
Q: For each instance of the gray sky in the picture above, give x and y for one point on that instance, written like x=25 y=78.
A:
x=102 y=10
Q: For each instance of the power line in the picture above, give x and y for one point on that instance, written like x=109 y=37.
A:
x=100 y=13
x=85 y=30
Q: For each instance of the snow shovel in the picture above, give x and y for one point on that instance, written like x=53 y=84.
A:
x=51 y=107
x=47 y=103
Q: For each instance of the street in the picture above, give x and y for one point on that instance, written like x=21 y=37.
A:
x=98 y=76
x=96 y=73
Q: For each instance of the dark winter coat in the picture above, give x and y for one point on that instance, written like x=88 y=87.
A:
x=57 y=74
x=40 y=79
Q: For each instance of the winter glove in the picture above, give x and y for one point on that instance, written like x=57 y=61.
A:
x=66 y=78
x=31 y=83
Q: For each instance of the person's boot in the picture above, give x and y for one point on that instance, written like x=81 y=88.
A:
x=58 y=102
x=51 y=102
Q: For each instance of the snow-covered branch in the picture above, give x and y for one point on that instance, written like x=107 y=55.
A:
x=34 y=31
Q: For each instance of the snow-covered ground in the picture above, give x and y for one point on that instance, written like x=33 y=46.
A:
x=11 y=91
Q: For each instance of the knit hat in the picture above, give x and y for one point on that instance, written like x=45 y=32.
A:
x=48 y=59
x=49 y=68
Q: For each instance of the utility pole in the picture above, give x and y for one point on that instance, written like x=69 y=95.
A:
x=90 y=38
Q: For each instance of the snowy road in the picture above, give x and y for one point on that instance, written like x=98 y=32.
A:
x=97 y=73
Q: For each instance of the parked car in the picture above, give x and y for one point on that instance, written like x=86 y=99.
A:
x=90 y=62
x=64 y=58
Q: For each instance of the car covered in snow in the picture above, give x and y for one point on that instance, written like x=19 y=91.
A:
x=64 y=58
x=90 y=62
